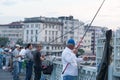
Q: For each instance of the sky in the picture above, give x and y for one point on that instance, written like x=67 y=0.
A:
x=84 y=10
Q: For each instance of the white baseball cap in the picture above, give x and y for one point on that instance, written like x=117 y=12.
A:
x=17 y=45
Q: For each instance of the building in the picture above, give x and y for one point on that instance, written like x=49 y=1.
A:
x=12 y=31
x=45 y=30
x=52 y=32
x=93 y=33
x=114 y=66
x=72 y=28
x=42 y=29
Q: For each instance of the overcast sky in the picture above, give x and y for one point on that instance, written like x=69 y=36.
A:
x=84 y=10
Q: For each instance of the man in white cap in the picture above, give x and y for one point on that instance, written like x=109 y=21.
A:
x=16 y=56
x=69 y=61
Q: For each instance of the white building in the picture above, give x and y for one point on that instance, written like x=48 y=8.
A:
x=42 y=29
x=93 y=33
x=116 y=57
x=72 y=28
x=12 y=31
x=45 y=30
x=52 y=32
x=87 y=43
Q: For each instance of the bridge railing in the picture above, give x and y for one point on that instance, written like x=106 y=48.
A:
x=85 y=72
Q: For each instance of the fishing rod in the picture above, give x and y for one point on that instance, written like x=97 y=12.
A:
x=89 y=27
x=90 y=24
x=86 y=32
x=65 y=33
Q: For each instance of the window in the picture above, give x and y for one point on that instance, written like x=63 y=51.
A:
x=32 y=25
x=49 y=39
x=27 y=26
x=36 y=38
x=65 y=27
x=52 y=47
x=59 y=27
x=49 y=32
x=31 y=31
x=45 y=25
x=56 y=32
x=49 y=26
x=46 y=32
x=27 y=32
x=52 y=32
x=45 y=38
x=31 y=39
x=36 y=31
x=36 y=25
x=53 y=26
x=47 y=48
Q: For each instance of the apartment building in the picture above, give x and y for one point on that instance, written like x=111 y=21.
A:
x=12 y=31
x=72 y=28
x=43 y=30
x=52 y=32
x=90 y=40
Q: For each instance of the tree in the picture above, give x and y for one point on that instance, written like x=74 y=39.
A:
x=4 y=41
x=19 y=41
x=80 y=52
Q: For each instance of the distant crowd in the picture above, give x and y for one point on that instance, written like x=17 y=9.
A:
x=21 y=59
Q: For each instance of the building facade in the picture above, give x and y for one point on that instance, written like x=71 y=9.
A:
x=72 y=28
x=12 y=31
x=93 y=33
x=42 y=29
x=52 y=32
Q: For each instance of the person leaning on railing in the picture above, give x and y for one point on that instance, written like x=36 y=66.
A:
x=38 y=58
x=69 y=61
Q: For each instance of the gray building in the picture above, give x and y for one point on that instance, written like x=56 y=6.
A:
x=12 y=31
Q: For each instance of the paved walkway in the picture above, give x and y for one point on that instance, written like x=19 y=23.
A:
x=6 y=75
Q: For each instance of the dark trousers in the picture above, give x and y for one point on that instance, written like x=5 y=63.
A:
x=29 y=67
x=37 y=71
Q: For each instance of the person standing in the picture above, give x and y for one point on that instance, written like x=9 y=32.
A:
x=69 y=61
x=21 y=59
x=38 y=58
x=1 y=56
x=29 y=61
x=16 y=56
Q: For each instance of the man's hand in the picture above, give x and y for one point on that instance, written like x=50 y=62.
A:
x=85 y=58
x=18 y=56
x=42 y=57
x=75 y=51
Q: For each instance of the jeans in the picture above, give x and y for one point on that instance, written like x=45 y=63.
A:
x=20 y=66
x=15 y=70
x=43 y=77
x=29 y=67
x=4 y=60
x=69 y=77
x=1 y=59
x=7 y=61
